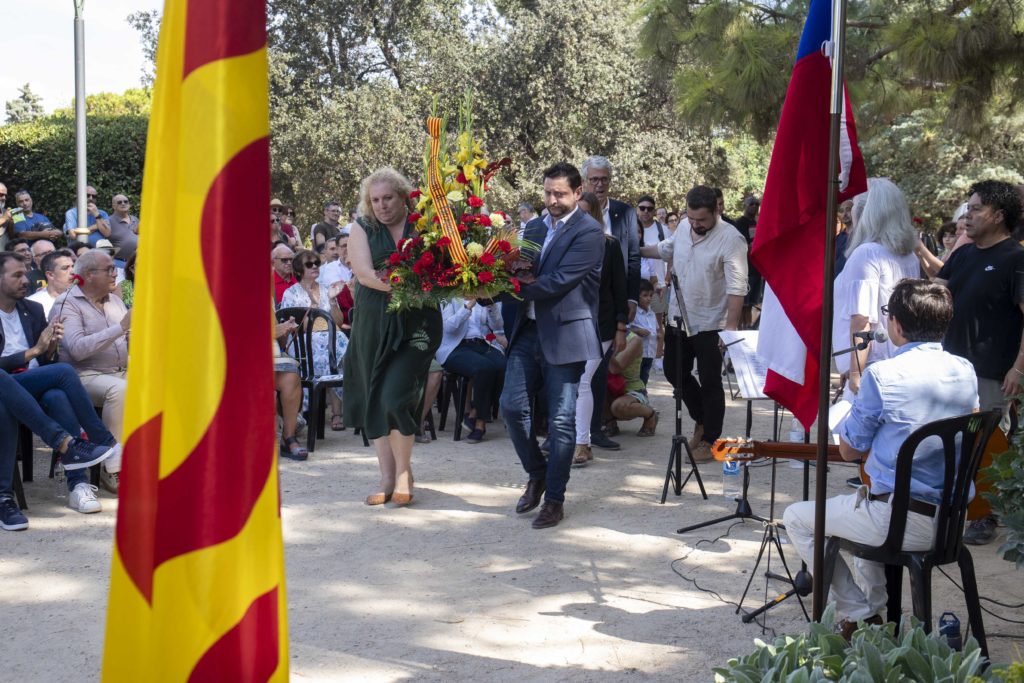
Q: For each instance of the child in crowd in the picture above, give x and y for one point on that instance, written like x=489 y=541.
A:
x=645 y=326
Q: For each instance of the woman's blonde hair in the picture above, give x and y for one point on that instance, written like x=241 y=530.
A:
x=398 y=182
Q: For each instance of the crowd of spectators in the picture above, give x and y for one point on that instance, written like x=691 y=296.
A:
x=67 y=294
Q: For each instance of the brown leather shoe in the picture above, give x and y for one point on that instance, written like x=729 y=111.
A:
x=702 y=453
x=698 y=435
x=550 y=515
x=531 y=497
x=847 y=627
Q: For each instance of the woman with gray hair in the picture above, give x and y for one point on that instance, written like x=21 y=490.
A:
x=879 y=253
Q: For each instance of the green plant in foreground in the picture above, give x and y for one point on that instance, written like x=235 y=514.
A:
x=1006 y=474
x=875 y=654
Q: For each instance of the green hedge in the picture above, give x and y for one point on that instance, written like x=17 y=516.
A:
x=39 y=156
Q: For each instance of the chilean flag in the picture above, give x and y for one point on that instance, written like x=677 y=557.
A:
x=789 y=244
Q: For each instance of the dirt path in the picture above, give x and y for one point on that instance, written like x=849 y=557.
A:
x=457 y=586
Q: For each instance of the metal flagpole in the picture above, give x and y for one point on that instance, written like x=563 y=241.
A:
x=838 y=104
x=80 y=166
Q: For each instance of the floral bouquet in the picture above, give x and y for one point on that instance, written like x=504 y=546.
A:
x=461 y=249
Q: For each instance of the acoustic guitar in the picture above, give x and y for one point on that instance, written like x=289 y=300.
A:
x=745 y=449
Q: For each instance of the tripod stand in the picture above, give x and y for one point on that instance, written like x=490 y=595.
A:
x=801 y=583
x=674 y=471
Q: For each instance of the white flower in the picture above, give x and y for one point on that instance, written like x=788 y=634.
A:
x=474 y=249
x=497 y=220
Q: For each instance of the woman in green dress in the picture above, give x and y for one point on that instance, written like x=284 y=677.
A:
x=389 y=354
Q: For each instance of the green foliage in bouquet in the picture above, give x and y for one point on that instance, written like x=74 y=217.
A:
x=461 y=248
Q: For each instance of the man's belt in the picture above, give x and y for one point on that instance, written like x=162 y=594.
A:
x=918 y=506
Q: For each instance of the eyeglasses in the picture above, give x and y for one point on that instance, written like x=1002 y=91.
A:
x=645 y=208
x=110 y=270
x=885 y=311
x=121 y=201
x=284 y=259
x=290 y=214
x=90 y=196
x=275 y=209
x=599 y=180
x=311 y=264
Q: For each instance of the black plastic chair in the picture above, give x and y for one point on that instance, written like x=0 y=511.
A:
x=300 y=346
x=973 y=431
x=457 y=386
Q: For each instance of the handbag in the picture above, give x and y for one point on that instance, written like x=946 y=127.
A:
x=616 y=385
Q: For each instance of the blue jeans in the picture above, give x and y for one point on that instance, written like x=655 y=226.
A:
x=526 y=375
x=645 y=369
x=483 y=364
x=17 y=405
x=59 y=391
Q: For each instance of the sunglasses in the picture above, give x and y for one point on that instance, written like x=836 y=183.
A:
x=90 y=196
x=275 y=209
x=885 y=311
x=121 y=201
x=645 y=208
x=311 y=264
x=284 y=259
x=290 y=214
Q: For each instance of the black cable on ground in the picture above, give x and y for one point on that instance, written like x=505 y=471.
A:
x=709 y=591
x=983 y=608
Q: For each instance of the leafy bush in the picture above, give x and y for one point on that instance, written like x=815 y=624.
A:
x=39 y=156
x=875 y=654
x=1006 y=475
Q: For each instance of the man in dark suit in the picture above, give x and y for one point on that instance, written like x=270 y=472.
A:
x=620 y=221
x=554 y=335
x=27 y=349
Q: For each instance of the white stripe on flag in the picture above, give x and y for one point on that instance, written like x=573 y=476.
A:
x=778 y=343
x=845 y=148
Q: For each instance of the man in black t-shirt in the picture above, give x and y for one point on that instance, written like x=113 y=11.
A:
x=987 y=282
x=328 y=228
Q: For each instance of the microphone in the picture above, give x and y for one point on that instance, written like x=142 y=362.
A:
x=866 y=338
x=869 y=336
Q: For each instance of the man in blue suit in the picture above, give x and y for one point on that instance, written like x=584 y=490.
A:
x=554 y=335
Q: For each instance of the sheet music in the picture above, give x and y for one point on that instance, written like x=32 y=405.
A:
x=751 y=370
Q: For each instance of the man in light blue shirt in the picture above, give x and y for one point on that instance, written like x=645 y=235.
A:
x=920 y=384
x=96 y=219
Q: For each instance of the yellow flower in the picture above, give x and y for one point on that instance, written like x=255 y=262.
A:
x=475 y=249
x=422 y=203
x=469 y=171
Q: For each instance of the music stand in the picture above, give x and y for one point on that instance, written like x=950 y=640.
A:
x=750 y=372
x=674 y=471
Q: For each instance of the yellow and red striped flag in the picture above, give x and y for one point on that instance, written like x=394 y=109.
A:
x=197 y=587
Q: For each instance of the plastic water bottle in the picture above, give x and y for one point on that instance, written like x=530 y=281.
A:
x=60 y=480
x=730 y=479
x=949 y=626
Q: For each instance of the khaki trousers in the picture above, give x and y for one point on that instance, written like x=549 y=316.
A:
x=107 y=391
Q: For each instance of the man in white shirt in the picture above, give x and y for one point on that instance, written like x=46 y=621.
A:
x=334 y=268
x=651 y=232
x=57 y=266
x=709 y=260
x=526 y=214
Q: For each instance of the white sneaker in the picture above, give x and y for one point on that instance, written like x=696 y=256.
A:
x=110 y=480
x=83 y=499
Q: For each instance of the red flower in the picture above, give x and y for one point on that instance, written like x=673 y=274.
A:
x=504 y=246
x=487 y=258
x=437 y=220
x=396 y=278
x=918 y=220
x=490 y=337
x=443 y=241
x=515 y=284
x=462 y=227
x=395 y=258
x=461 y=178
x=484 y=220
x=413 y=217
x=414 y=194
x=77 y=279
x=426 y=286
x=475 y=201
x=485 y=277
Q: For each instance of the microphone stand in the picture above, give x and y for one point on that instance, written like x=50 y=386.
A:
x=674 y=471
